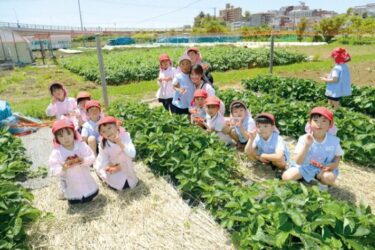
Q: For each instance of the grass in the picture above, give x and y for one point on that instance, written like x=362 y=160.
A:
x=26 y=89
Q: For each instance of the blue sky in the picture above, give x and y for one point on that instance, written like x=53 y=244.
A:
x=140 y=13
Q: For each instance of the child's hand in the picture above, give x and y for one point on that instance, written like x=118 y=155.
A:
x=112 y=168
x=53 y=100
x=182 y=91
x=327 y=169
x=309 y=139
x=261 y=159
x=252 y=135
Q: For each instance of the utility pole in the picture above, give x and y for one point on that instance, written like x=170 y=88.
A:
x=215 y=12
x=80 y=17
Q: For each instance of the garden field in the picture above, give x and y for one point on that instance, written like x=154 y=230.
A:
x=195 y=193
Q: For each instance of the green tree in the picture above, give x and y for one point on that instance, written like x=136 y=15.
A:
x=330 y=27
x=301 y=28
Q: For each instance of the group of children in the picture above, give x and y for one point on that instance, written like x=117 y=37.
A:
x=83 y=137
x=317 y=153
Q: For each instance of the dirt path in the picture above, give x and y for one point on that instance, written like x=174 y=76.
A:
x=152 y=216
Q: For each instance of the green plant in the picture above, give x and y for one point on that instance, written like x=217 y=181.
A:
x=356 y=131
x=361 y=100
x=131 y=65
x=267 y=215
x=16 y=211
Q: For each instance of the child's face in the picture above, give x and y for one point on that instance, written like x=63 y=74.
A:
x=212 y=110
x=193 y=56
x=239 y=112
x=58 y=93
x=82 y=103
x=195 y=78
x=93 y=113
x=109 y=131
x=199 y=101
x=65 y=137
x=164 y=64
x=185 y=66
x=264 y=130
x=319 y=125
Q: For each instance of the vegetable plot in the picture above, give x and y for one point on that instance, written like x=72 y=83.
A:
x=355 y=130
x=16 y=211
x=267 y=215
x=362 y=99
x=139 y=65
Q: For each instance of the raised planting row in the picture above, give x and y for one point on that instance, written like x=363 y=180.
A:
x=16 y=211
x=139 y=64
x=362 y=99
x=267 y=215
x=356 y=130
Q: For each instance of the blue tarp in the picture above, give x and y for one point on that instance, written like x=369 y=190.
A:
x=199 y=39
x=121 y=41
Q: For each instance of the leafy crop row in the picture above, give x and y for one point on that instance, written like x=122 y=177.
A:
x=362 y=99
x=356 y=130
x=138 y=65
x=267 y=215
x=16 y=211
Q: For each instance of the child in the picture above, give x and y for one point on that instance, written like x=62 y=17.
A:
x=215 y=120
x=61 y=106
x=196 y=58
x=114 y=164
x=166 y=74
x=82 y=98
x=338 y=81
x=266 y=144
x=241 y=123
x=196 y=76
x=197 y=108
x=318 y=152
x=70 y=160
x=90 y=132
x=184 y=88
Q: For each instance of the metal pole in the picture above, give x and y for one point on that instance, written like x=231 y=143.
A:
x=80 y=18
x=2 y=46
x=101 y=69
x=15 y=47
x=271 y=53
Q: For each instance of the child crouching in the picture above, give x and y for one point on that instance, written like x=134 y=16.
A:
x=114 y=164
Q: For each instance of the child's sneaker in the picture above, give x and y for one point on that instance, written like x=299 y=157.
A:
x=61 y=196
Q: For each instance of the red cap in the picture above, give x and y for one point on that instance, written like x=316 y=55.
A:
x=83 y=94
x=60 y=124
x=340 y=55
x=108 y=119
x=92 y=103
x=267 y=115
x=164 y=57
x=195 y=49
x=324 y=112
x=213 y=100
x=200 y=93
